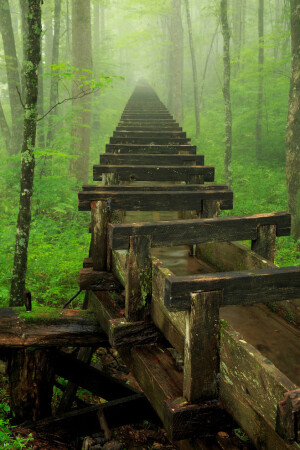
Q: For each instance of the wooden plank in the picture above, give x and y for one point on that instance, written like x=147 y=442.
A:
x=157 y=149
x=156 y=187
x=99 y=234
x=250 y=388
x=112 y=319
x=150 y=159
x=138 y=279
x=150 y=134
x=265 y=242
x=153 y=173
x=238 y=288
x=201 y=351
x=152 y=201
x=146 y=127
x=49 y=327
x=188 y=232
x=98 y=281
x=149 y=140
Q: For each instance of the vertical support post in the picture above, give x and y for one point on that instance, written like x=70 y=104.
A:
x=201 y=352
x=138 y=279
x=210 y=208
x=265 y=242
x=110 y=179
x=99 y=235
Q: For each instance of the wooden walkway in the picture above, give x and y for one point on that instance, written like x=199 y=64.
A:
x=153 y=194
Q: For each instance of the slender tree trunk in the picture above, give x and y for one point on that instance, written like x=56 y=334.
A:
x=260 y=79
x=33 y=55
x=40 y=106
x=194 y=65
x=54 y=72
x=97 y=53
x=226 y=93
x=206 y=65
x=13 y=77
x=102 y=26
x=5 y=131
x=237 y=32
x=82 y=59
x=177 y=60
x=68 y=41
x=23 y=10
x=293 y=124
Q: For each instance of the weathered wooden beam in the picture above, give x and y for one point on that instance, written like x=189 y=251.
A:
x=188 y=232
x=150 y=134
x=265 y=242
x=145 y=149
x=152 y=201
x=156 y=187
x=149 y=140
x=146 y=127
x=238 y=288
x=138 y=286
x=201 y=351
x=288 y=416
x=99 y=234
x=89 y=279
x=120 y=333
x=48 y=327
x=150 y=159
x=154 y=173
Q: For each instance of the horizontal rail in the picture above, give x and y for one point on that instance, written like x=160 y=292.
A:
x=197 y=231
x=238 y=288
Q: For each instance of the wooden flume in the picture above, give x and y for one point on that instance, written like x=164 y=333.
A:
x=150 y=165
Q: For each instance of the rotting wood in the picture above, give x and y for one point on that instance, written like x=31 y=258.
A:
x=201 y=351
x=54 y=328
x=288 y=416
x=98 y=281
x=150 y=159
x=265 y=242
x=99 y=234
x=138 y=286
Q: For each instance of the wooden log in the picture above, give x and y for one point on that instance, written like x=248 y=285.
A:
x=238 y=288
x=138 y=279
x=89 y=279
x=188 y=232
x=288 y=413
x=265 y=242
x=48 y=327
x=99 y=235
x=31 y=375
x=150 y=159
x=201 y=351
x=153 y=173
x=157 y=149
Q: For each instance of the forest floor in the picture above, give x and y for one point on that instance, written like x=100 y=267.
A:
x=143 y=435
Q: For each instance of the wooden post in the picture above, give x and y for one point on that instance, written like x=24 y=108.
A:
x=265 y=243
x=110 y=178
x=288 y=417
x=201 y=351
x=138 y=279
x=99 y=235
x=210 y=208
x=30 y=383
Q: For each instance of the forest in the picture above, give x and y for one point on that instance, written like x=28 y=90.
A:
x=227 y=70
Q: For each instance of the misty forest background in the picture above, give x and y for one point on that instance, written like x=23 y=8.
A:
x=125 y=40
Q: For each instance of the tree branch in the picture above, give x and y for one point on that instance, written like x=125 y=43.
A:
x=19 y=94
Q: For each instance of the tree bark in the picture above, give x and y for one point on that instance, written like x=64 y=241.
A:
x=97 y=50
x=33 y=55
x=293 y=124
x=237 y=32
x=177 y=60
x=194 y=66
x=260 y=79
x=82 y=59
x=54 y=72
x=226 y=93
x=13 y=77
x=5 y=131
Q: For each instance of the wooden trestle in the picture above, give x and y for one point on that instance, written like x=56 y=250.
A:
x=150 y=166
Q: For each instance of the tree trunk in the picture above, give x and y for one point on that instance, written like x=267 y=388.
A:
x=82 y=59
x=5 y=131
x=33 y=55
x=194 y=65
x=237 y=32
x=13 y=77
x=40 y=106
x=260 y=79
x=54 y=72
x=293 y=124
x=177 y=60
x=226 y=93
x=96 y=58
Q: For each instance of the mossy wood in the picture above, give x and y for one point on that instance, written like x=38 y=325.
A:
x=150 y=140
x=98 y=281
x=150 y=134
x=188 y=232
x=147 y=149
x=99 y=234
x=151 y=159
